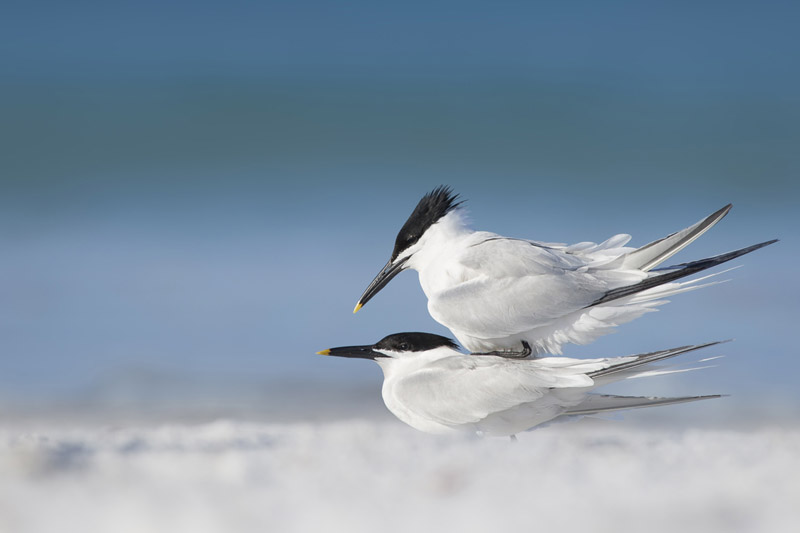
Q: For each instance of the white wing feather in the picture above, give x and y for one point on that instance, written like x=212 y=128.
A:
x=494 y=292
x=461 y=390
x=503 y=396
x=537 y=293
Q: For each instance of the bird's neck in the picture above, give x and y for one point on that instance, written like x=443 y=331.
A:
x=440 y=240
x=437 y=260
x=404 y=365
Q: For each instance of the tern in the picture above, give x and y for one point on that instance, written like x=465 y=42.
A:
x=504 y=294
x=433 y=387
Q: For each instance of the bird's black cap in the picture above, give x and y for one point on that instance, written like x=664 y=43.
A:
x=414 y=342
x=429 y=210
x=397 y=342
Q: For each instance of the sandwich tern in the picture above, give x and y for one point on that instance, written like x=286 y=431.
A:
x=497 y=293
x=433 y=387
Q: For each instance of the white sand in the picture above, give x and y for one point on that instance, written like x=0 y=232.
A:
x=372 y=476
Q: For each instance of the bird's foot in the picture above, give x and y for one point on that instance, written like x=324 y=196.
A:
x=510 y=354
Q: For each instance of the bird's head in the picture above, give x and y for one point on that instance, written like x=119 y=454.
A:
x=397 y=345
x=430 y=209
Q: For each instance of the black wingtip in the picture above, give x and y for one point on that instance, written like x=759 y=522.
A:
x=723 y=210
x=757 y=246
x=676 y=272
x=647 y=358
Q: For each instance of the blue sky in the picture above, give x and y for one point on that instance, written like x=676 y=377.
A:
x=203 y=190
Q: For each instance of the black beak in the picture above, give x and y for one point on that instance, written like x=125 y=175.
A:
x=358 y=352
x=385 y=276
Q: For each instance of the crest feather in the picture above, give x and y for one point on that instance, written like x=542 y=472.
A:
x=432 y=207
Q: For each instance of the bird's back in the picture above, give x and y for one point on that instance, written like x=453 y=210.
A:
x=462 y=391
x=492 y=292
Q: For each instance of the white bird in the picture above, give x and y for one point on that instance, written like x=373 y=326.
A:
x=496 y=293
x=433 y=387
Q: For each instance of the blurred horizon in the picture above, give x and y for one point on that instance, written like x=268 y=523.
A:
x=194 y=195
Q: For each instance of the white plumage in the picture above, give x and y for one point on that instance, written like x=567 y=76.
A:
x=495 y=293
x=433 y=387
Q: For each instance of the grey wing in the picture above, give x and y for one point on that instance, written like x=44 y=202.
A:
x=653 y=254
x=598 y=403
x=519 y=286
x=627 y=366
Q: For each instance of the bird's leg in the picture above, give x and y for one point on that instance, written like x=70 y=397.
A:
x=513 y=438
x=525 y=352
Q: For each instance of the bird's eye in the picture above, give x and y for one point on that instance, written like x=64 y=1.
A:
x=404 y=346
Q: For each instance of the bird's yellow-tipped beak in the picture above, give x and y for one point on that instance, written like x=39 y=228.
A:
x=390 y=270
x=324 y=352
